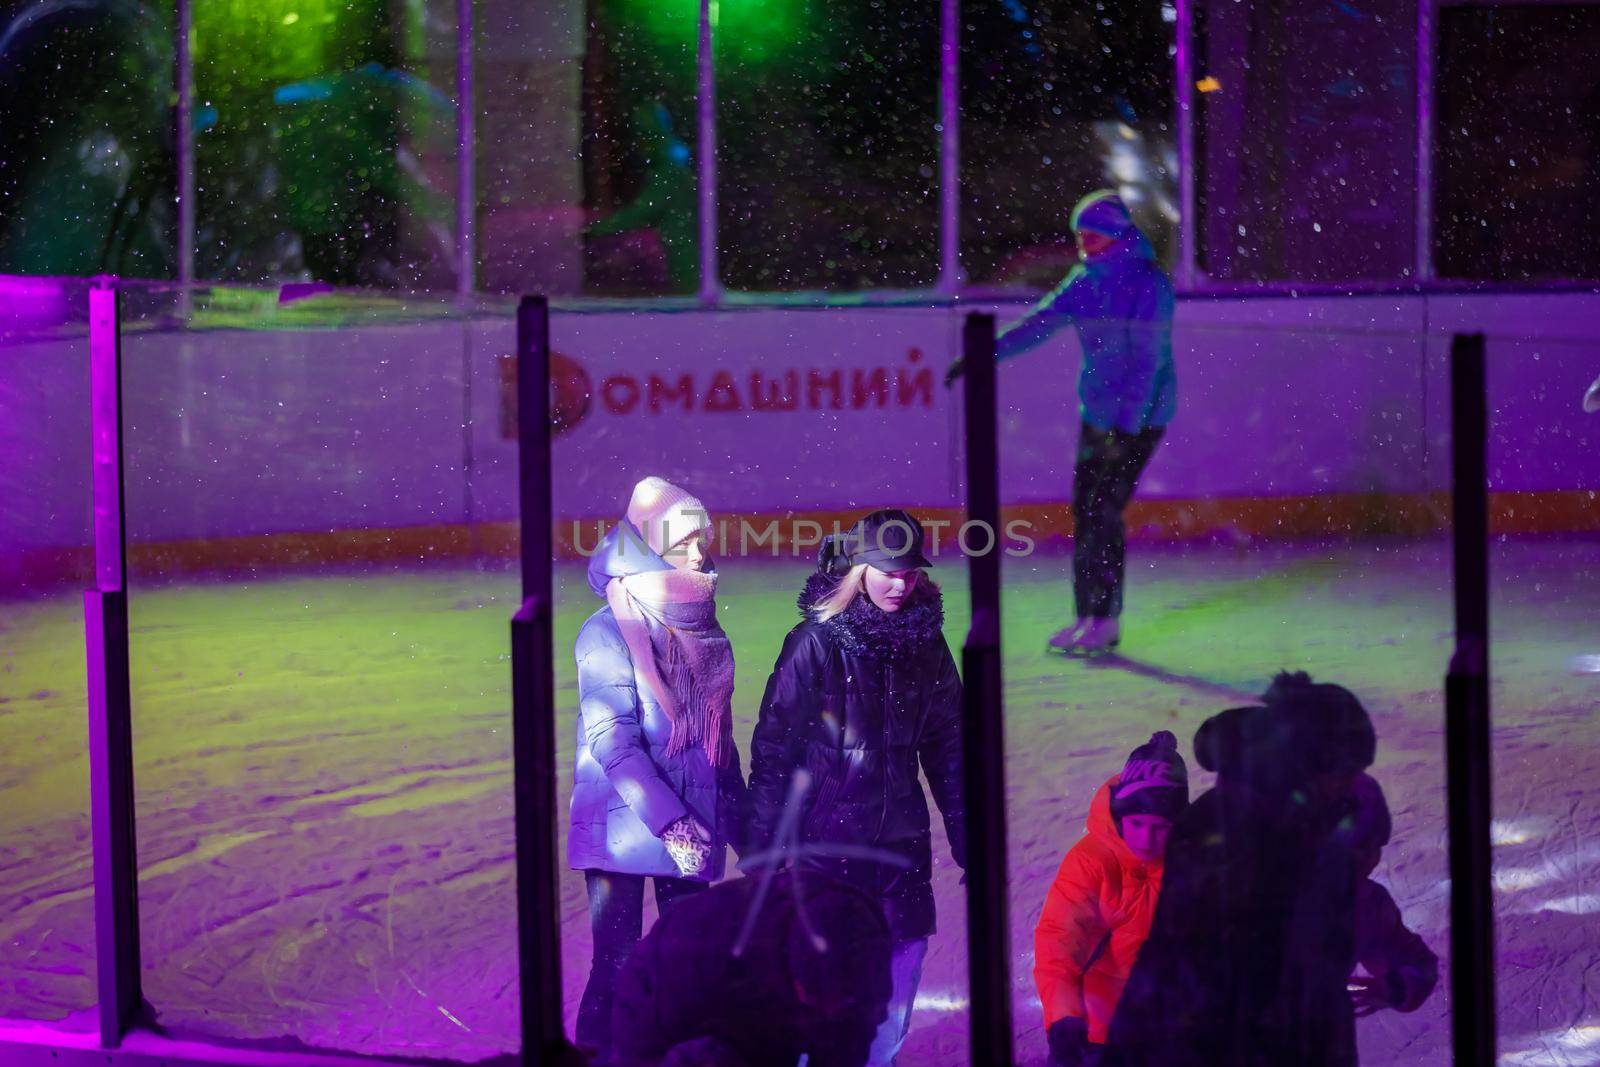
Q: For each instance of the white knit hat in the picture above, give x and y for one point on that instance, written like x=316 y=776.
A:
x=665 y=514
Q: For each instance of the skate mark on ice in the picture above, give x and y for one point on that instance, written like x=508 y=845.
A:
x=200 y=850
x=397 y=793
x=1574 y=1046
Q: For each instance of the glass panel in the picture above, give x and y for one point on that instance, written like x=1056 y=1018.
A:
x=1517 y=154
x=325 y=141
x=1305 y=140
x=531 y=72
x=1544 y=569
x=775 y=421
x=1057 y=100
x=320 y=680
x=1288 y=520
x=47 y=933
x=89 y=177
x=603 y=98
x=827 y=144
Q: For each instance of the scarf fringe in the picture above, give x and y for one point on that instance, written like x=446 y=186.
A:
x=700 y=715
x=713 y=729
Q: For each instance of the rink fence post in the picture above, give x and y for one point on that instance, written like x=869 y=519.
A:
x=533 y=702
x=983 y=727
x=110 y=705
x=1467 y=715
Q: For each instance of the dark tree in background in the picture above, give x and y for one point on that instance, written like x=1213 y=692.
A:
x=828 y=149
x=1517 y=164
x=87 y=171
x=324 y=141
x=639 y=124
x=1060 y=98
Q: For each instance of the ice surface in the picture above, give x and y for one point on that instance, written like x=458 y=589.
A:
x=325 y=810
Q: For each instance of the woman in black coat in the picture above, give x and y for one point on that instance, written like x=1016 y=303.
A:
x=864 y=691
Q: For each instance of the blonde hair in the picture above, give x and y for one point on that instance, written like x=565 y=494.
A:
x=852 y=585
x=839 y=597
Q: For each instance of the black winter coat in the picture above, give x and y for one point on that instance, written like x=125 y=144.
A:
x=859 y=702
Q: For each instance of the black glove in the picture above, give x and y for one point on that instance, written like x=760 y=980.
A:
x=1069 y=1043
x=957 y=367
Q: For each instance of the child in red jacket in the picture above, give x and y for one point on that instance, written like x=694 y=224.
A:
x=1400 y=969
x=1098 y=911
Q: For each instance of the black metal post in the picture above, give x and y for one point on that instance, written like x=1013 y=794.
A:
x=105 y=631
x=983 y=727
x=1467 y=716
x=533 y=706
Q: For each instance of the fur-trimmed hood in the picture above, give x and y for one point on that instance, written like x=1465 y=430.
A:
x=867 y=630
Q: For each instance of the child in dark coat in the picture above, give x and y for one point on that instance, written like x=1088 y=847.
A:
x=1253 y=943
x=1400 y=970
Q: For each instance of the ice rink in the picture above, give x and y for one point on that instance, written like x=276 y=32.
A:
x=324 y=780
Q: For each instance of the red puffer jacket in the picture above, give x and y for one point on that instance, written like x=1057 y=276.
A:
x=1096 y=917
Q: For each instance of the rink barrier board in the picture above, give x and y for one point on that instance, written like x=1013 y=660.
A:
x=391 y=427
x=1050 y=525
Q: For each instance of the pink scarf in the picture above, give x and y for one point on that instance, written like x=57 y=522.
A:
x=669 y=621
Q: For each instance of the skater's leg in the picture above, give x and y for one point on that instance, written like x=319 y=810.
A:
x=1088 y=538
x=905 y=973
x=616 y=916
x=1132 y=457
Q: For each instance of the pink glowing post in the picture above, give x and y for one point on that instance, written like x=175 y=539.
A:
x=105 y=617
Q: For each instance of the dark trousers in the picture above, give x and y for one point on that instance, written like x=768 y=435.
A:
x=1108 y=469
x=616 y=915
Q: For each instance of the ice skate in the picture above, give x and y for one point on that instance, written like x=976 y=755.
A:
x=1067 y=637
x=1101 y=638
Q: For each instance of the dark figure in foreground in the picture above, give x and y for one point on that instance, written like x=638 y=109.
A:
x=1254 y=938
x=1398 y=969
x=749 y=975
x=1122 y=304
x=863 y=695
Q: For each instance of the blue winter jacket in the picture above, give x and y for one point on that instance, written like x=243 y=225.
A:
x=626 y=790
x=1121 y=302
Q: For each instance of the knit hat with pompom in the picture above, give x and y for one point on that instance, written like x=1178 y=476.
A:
x=1154 y=781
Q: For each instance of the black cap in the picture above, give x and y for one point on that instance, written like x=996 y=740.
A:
x=889 y=539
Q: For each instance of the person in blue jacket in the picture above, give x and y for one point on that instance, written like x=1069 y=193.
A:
x=657 y=791
x=1121 y=302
